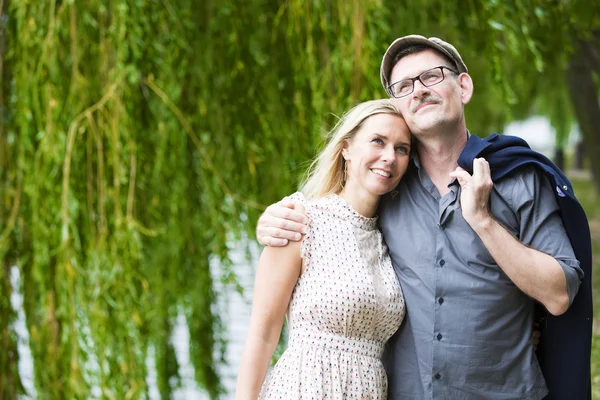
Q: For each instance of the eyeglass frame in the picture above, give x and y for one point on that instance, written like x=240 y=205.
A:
x=418 y=78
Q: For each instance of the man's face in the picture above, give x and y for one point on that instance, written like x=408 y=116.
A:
x=428 y=108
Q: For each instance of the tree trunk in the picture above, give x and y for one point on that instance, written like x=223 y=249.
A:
x=579 y=155
x=559 y=158
x=584 y=97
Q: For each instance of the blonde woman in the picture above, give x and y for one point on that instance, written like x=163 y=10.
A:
x=337 y=285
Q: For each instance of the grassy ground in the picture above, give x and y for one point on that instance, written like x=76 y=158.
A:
x=591 y=203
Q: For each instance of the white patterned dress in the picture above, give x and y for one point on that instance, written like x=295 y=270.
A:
x=344 y=307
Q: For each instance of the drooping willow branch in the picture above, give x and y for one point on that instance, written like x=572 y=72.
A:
x=185 y=124
x=73 y=128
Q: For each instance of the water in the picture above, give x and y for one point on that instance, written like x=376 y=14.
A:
x=25 y=359
x=233 y=309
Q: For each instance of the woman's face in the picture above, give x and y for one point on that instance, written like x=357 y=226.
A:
x=378 y=155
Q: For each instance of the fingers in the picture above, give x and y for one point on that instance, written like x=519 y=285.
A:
x=477 y=166
x=300 y=208
x=481 y=173
x=293 y=215
x=280 y=223
x=277 y=233
x=460 y=174
x=481 y=169
x=285 y=202
x=487 y=170
x=272 y=242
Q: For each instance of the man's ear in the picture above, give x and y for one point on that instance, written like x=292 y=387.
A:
x=466 y=87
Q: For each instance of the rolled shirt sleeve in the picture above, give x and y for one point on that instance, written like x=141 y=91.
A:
x=540 y=223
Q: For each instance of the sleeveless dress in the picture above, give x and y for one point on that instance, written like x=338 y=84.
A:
x=343 y=309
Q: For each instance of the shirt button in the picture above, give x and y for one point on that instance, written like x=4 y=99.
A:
x=437 y=376
x=439 y=337
x=442 y=262
x=441 y=300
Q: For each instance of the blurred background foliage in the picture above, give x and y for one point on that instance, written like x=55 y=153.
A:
x=141 y=139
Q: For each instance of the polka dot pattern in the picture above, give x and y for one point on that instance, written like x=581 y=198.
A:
x=344 y=307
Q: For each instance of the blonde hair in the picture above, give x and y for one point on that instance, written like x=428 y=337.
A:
x=325 y=175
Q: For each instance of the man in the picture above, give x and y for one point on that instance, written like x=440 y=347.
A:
x=472 y=260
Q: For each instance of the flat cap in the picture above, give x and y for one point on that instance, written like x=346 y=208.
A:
x=387 y=63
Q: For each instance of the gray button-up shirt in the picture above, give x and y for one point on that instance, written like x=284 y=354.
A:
x=468 y=329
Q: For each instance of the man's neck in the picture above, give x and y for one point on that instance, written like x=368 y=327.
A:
x=439 y=155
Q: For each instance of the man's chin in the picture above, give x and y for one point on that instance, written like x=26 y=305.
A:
x=422 y=126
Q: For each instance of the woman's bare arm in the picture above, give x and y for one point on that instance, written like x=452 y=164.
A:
x=277 y=274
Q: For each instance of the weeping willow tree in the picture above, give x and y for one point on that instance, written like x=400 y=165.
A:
x=141 y=139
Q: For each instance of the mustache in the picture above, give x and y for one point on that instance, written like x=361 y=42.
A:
x=428 y=98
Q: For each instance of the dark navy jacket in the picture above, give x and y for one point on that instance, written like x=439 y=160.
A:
x=565 y=346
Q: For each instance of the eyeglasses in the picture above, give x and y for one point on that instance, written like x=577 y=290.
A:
x=428 y=78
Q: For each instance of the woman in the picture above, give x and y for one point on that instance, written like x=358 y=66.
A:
x=338 y=283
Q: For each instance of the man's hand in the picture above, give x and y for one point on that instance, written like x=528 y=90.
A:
x=537 y=274
x=281 y=222
x=475 y=192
